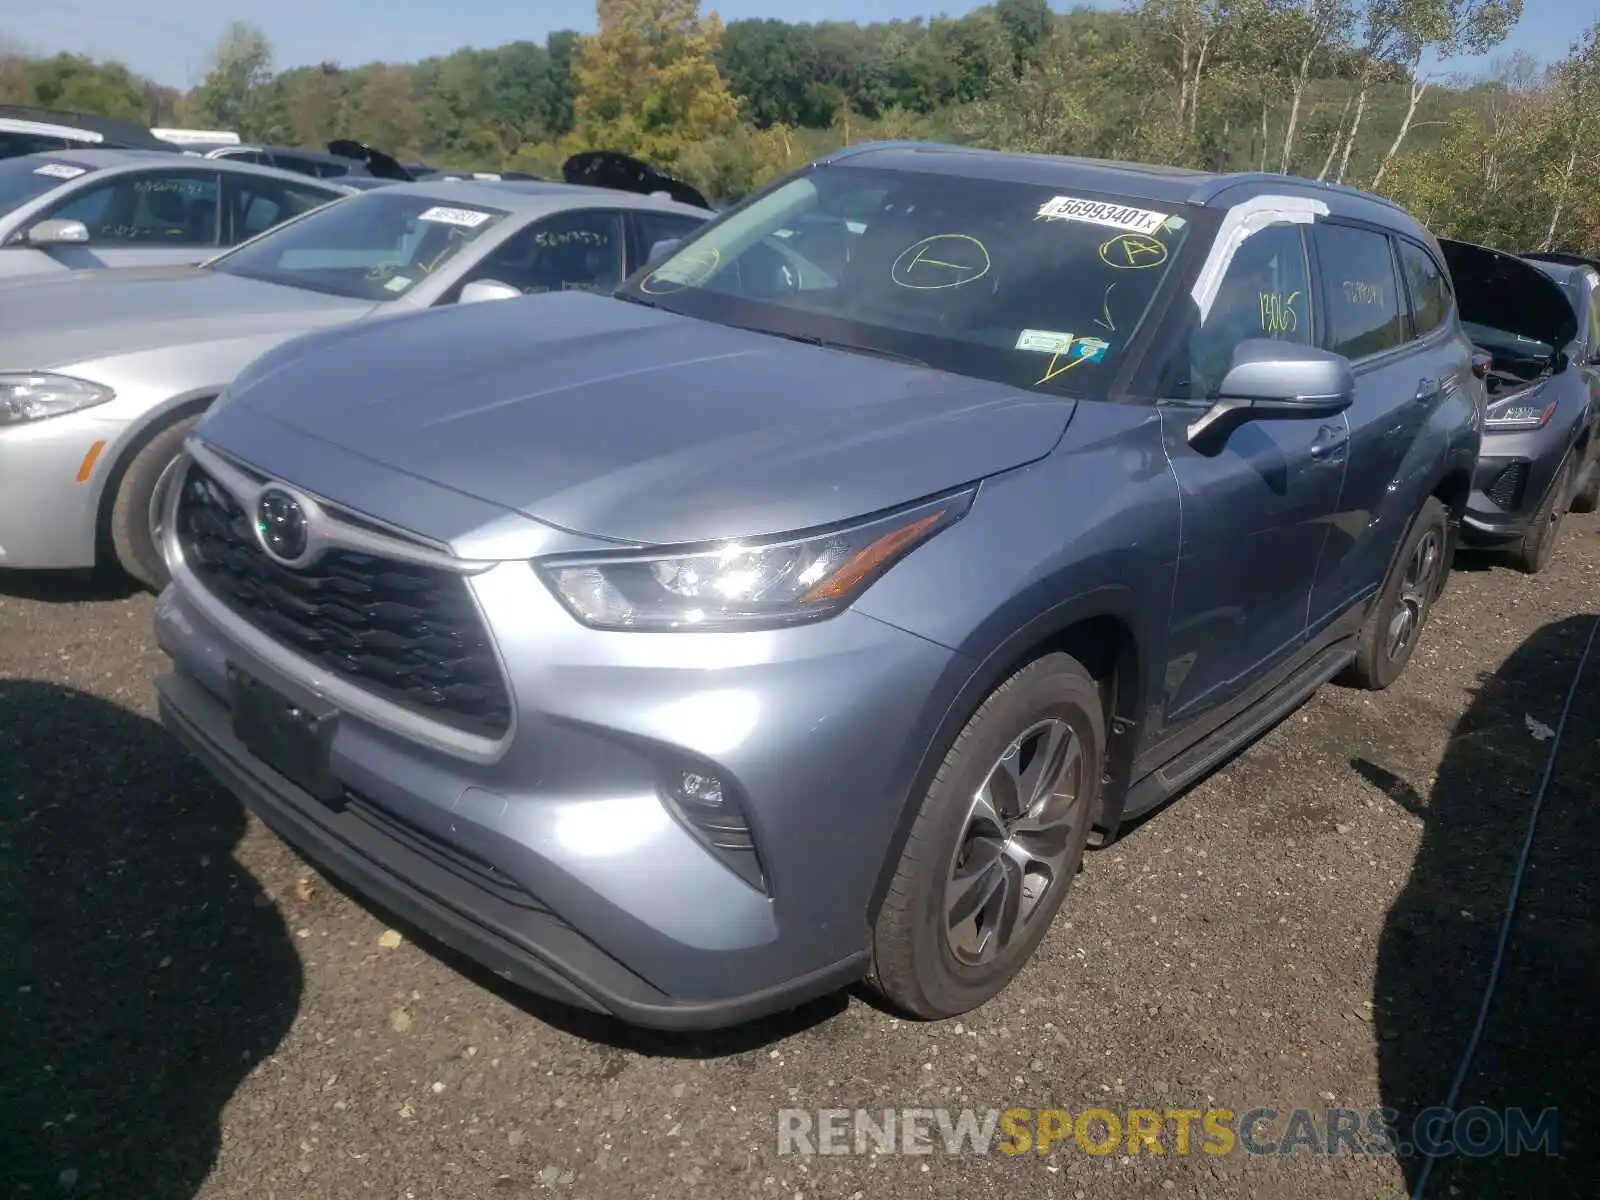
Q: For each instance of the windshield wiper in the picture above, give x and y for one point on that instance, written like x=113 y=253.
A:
x=632 y=299
x=811 y=339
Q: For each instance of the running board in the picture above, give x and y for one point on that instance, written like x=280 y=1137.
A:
x=1156 y=788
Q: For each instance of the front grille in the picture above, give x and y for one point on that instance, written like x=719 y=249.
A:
x=405 y=632
x=1506 y=490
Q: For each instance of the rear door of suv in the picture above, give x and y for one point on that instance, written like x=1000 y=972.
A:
x=1390 y=310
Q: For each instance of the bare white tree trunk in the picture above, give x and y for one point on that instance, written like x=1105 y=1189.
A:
x=1419 y=85
x=1561 y=199
x=1194 y=90
x=1333 y=146
x=1264 y=135
x=1299 y=90
x=1350 y=138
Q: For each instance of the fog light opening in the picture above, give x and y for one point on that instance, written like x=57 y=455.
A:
x=709 y=809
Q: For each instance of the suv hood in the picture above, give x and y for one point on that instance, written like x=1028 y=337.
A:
x=632 y=424
x=1503 y=292
x=621 y=172
x=88 y=315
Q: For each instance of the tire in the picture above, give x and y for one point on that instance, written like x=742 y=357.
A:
x=133 y=541
x=921 y=964
x=1588 y=500
x=1389 y=636
x=1533 y=553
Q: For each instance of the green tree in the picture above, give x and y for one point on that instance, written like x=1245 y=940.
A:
x=387 y=115
x=233 y=94
x=1577 y=98
x=313 y=100
x=1448 y=28
x=648 y=82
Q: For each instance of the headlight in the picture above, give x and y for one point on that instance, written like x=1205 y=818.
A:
x=1515 y=412
x=746 y=585
x=35 y=397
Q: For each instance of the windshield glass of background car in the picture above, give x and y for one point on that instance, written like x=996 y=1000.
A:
x=25 y=179
x=374 y=246
x=1024 y=284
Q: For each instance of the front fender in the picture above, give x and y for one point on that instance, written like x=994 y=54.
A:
x=1076 y=539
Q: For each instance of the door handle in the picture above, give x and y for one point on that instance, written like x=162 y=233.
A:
x=1427 y=390
x=1330 y=440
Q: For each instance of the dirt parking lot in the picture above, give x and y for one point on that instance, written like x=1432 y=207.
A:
x=188 y=1011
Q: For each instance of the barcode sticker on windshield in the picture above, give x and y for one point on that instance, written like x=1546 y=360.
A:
x=1097 y=212
x=59 y=170
x=466 y=218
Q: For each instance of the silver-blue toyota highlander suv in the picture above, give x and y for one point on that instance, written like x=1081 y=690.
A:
x=799 y=612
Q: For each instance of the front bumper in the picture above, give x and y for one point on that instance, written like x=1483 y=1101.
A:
x=1514 y=473
x=555 y=860
x=403 y=871
x=49 y=501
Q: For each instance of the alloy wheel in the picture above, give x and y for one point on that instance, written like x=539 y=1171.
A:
x=1016 y=841
x=1417 y=587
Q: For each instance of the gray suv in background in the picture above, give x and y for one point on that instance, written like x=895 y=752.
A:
x=798 y=613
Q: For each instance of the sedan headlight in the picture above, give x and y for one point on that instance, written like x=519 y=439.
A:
x=33 y=397
x=746 y=585
x=1515 y=412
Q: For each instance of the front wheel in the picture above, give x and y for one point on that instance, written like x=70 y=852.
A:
x=1389 y=637
x=136 y=510
x=1533 y=552
x=996 y=844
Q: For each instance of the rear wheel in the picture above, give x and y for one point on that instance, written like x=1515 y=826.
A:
x=136 y=510
x=1538 y=545
x=1389 y=636
x=996 y=845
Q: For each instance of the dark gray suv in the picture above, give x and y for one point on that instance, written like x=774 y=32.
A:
x=799 y=613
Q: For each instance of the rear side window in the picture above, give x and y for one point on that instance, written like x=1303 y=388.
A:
x=150 y=208
x=1428 y=286
x=259 y=204
x=1363 y=295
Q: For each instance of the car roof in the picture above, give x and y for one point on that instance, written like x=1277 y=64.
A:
x=537 y=197
x=109 y=128
x=1136 y=181
x=108 y=160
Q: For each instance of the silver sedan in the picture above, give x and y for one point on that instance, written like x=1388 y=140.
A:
x=103 y=373
x=73 y=210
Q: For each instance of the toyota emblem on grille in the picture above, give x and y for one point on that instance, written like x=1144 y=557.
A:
x=281 y=525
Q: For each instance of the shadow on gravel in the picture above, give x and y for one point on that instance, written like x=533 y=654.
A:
x=142 y=973
x=1541 y=1045
x=66 y=587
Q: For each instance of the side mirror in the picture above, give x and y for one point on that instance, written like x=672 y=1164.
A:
x=664 y=247
x=1269 y=380
x=480 y=290
x=58 y=233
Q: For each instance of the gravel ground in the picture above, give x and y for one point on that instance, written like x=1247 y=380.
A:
x=191 y=1012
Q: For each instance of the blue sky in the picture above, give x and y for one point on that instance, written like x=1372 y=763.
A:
x=169 y=39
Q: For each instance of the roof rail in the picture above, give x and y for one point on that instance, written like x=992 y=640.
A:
x=1217 y=184
x=852 y=151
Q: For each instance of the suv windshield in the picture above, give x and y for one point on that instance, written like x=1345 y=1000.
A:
x=1029 y=285
x=25 y=179
x=373 y=246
